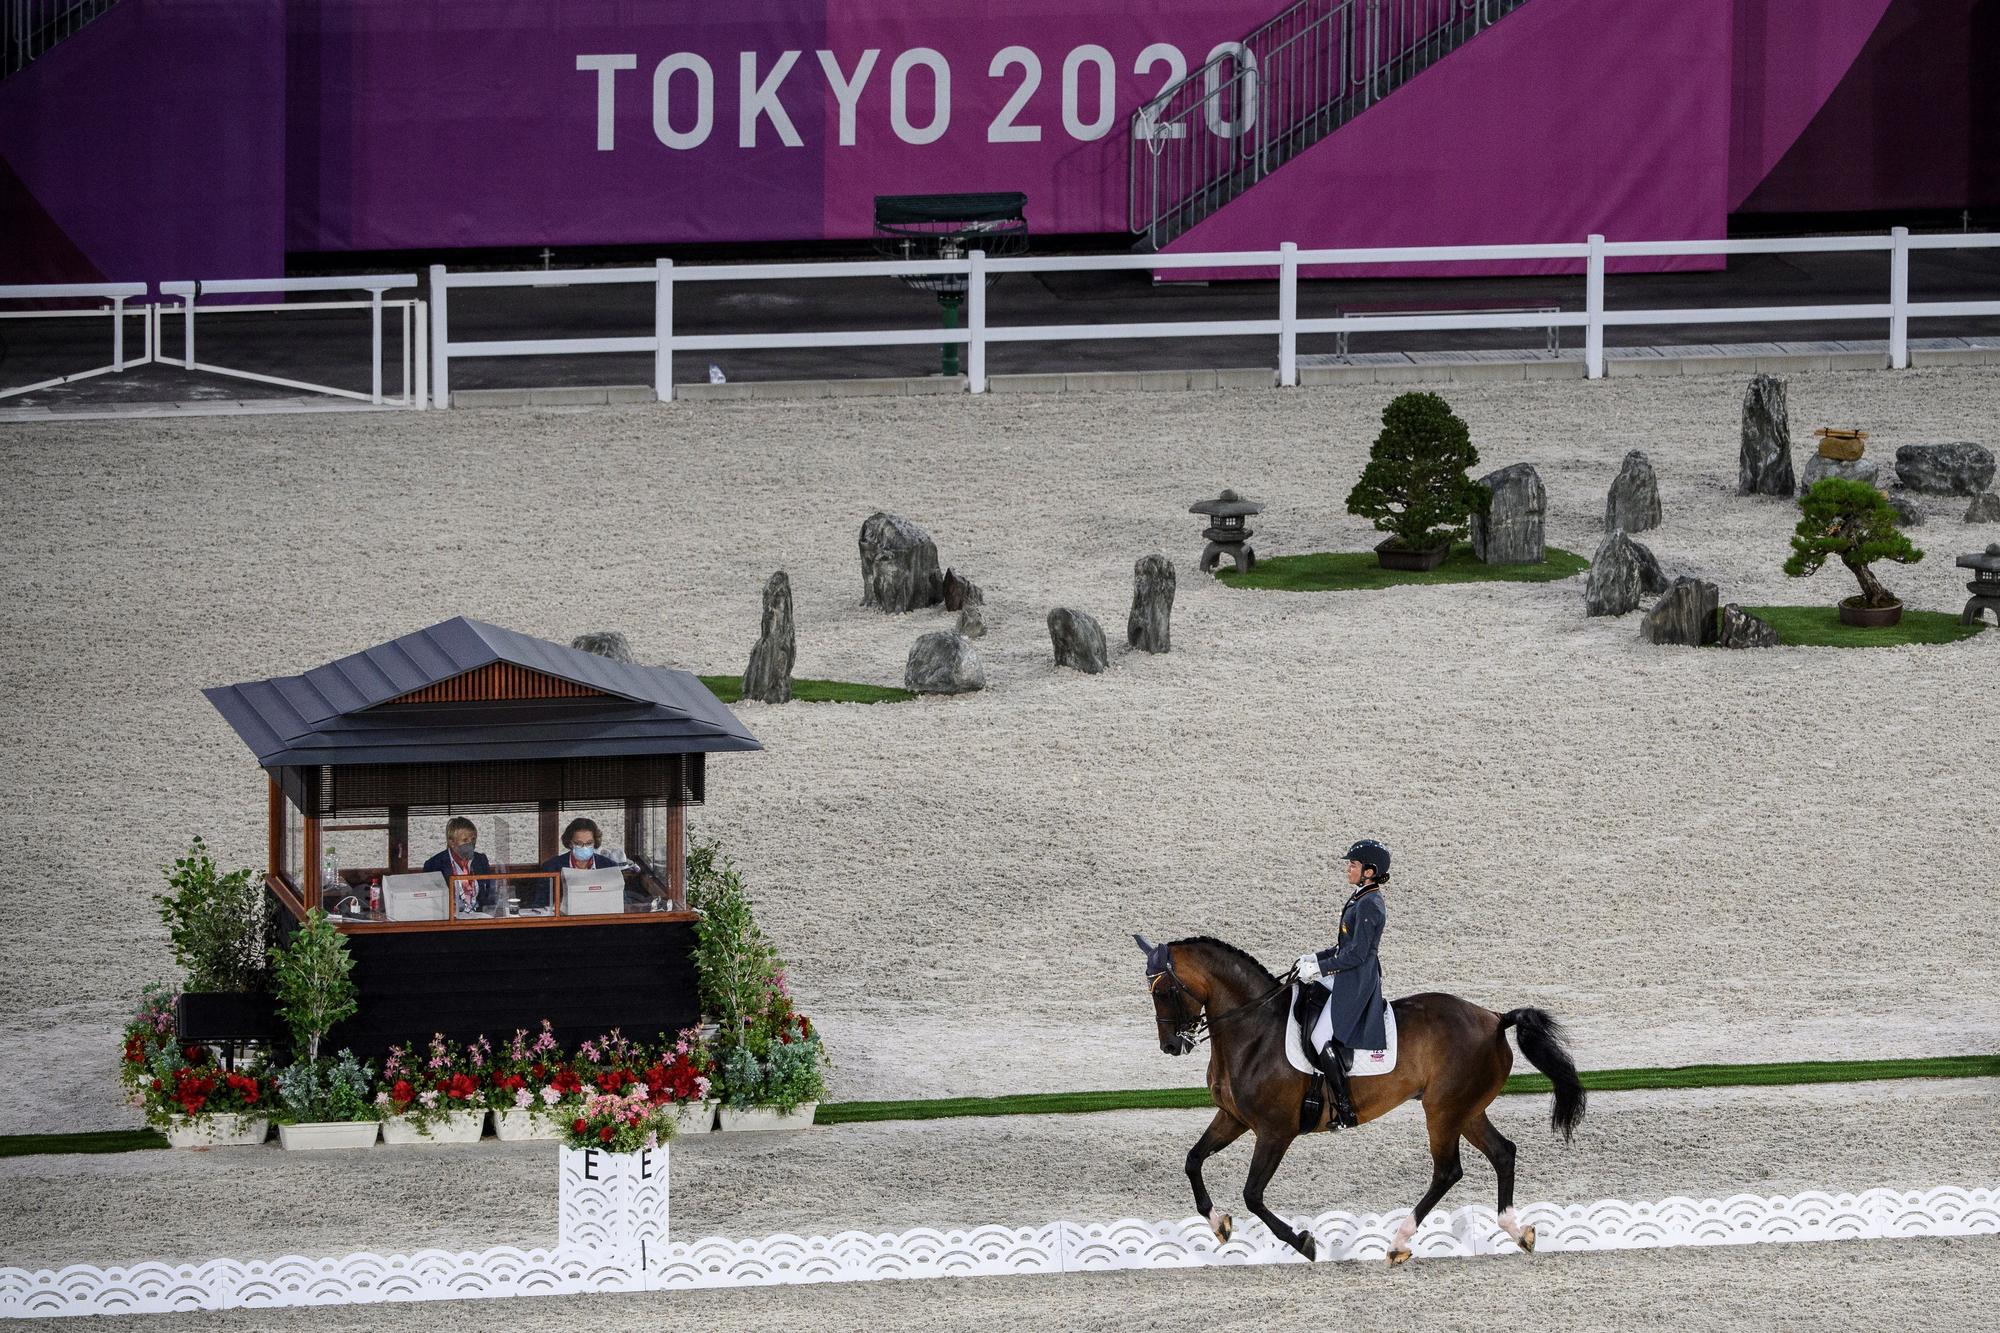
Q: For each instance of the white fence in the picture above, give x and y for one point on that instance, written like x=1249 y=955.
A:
x=1286 y=325
x=1057 y=1248
x=117 y=293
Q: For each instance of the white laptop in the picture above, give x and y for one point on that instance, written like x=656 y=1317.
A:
x=419 y=896
x=592 y=892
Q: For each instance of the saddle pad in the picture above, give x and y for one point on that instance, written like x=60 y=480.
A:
x=1366 y=1063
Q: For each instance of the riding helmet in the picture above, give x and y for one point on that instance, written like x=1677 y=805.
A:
x=1372 y=854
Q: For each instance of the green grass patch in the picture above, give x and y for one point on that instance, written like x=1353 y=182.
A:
x=1820 y=627
x=729 y=689
x=1597 y=1080
x=102 y=1140
x=1347 y=571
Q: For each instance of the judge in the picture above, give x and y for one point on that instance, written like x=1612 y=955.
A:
x=461 y=856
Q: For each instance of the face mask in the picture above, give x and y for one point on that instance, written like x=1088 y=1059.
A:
x=464 y=851
x=581 y=852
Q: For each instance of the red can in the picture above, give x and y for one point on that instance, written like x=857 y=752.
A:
x=374 y=895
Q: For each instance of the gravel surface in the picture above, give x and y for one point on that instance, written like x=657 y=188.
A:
x=1687 y=855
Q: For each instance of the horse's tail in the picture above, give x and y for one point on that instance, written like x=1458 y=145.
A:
x=1541 y=1039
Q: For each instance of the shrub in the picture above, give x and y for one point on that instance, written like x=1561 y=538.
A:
x=1415 y=486
x=314 y=1091
x=311 y=977
x=737 y=965
x=1853 y=522
x=215 y=923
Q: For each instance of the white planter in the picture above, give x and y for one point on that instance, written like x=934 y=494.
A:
x=613 y=1205
x=451 y=1127
x=757 y=1119
x=517 y=1126
x=328 y=1134
x=694 y=1118
x=227 y=1130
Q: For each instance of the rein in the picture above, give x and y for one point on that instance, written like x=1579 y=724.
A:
x=1198 y=1028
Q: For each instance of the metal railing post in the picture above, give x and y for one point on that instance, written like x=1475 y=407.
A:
x=440 y=340
x=1593 y=303
x=422 y=356
x=975 y=322
x=663 y=330
x=187 y=327
x=1899 y=298
x=1288 y=314
x=118 y=332
x=375 y=334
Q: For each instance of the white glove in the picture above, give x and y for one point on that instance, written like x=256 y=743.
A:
x=1308 y=966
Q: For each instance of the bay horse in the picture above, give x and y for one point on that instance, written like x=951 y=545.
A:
x=1451 y=1054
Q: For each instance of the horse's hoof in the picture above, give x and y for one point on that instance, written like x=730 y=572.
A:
x=1309 y=1247
x=1397 y=1258
x=1527 y=1240
x=1222 y=1226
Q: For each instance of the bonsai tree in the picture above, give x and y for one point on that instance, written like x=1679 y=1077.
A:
x=310 y=976
x=1855 y=523
x=215 y=923
x=1415 y=486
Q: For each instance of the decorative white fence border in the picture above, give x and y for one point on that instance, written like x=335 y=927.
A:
x=664 y=276
x=1059 y=1247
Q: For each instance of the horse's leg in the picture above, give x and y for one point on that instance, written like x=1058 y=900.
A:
x=1222 y=1131
x=1445 y=1172
x=1499 y=1150
x=1263 y=1164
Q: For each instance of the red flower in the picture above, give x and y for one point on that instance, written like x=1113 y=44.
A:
x=509 y=1082
x=402 y=1092
x=541 y=1072
x=613 y=1080
x=135 y=1050
x=580 y=1126
x=459 y=1087
x=605 y=1133
x=194 y=1054
x=566 y=1082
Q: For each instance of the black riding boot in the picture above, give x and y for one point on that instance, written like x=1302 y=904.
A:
x=1334 y=1062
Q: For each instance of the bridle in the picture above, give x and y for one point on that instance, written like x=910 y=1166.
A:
x=1192 y=1031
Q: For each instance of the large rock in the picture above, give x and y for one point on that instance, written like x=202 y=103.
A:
x=899 y=565
x=1764 y=467
x=605 y=643
x=1621 y=573
x=1685 y=614
x=769 y=675
x=1908 y=513
x=1149 y=626
x=961 y=592
x=942 y=662
x=1984 y=509
x=972 y=620
x=1510 y=531
x=1960 y=468
x=1740 y=629
x=1634 y=501
x=1820 y=466
x=1078 y=640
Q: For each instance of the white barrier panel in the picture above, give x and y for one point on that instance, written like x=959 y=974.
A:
x=1059 y=1247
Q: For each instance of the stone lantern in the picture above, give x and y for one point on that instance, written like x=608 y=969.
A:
x=1225 y=532
x=1984 y=587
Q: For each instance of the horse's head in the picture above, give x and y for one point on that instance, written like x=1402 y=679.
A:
x=1176 y=1012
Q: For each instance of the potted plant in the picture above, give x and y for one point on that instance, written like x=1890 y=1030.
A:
x=183 y=1090
x=323 y=1105
x=681 y=1078
x=775 y=1080
x=1415 y=486
x=515 y=1081
x=619 y=1122
x=215 y=926
x=434 y=1096
x=1853 y=522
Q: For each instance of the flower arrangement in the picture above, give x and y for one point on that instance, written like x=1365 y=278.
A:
x=521 y=1068
x=619 y=1122
x=611 y=1063
x=422 y=1088
x=324 y=1091
x=176 y=1086
x=681 y=1074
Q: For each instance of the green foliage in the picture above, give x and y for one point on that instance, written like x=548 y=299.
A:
x=1854 y=523
x=1415 y=486
x=729 y=689
x=793 y=1074
x=316 y=1091
x=215 y=922
x=1346 y=571
x=311 y=978
x=1820 y=627
x=739 y=1077
x=737 y=965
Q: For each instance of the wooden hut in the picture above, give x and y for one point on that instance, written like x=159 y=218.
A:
x=469 y=719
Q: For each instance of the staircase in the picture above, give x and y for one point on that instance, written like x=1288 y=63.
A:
x=1260 y=102
x=30 y=27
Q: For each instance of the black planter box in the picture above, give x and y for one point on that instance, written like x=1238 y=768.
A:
x=225 y=1016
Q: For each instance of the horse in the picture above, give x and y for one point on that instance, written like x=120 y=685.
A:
x=1452 y=1055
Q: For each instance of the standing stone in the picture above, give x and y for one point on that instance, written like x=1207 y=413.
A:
x=1765 y=465
x=1620 y=573
x=1510 y=531
x=1634 y=501
x=1684 y=614
x=605 y=643
x=1860 y=469
x=1740 y=629
x=1908 y=515
x=769 y=675
x=1148 y=628
x=1961 y=468
x=972 y=620
x=1984 y=509
x=960 y=591
x=942 y=662
x=1078 y=640
x=899 y=565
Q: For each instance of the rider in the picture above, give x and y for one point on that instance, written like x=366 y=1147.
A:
x=1352 y=973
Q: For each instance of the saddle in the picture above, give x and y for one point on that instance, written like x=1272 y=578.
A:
x=1360 y=1063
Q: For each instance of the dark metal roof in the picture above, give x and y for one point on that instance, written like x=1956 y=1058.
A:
x=330 y=714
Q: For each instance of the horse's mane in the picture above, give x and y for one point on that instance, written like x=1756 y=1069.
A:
x=1230 y=950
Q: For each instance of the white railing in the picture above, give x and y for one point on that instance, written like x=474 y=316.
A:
x=1286 y=325
x=415 y=328
x=118 y=293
